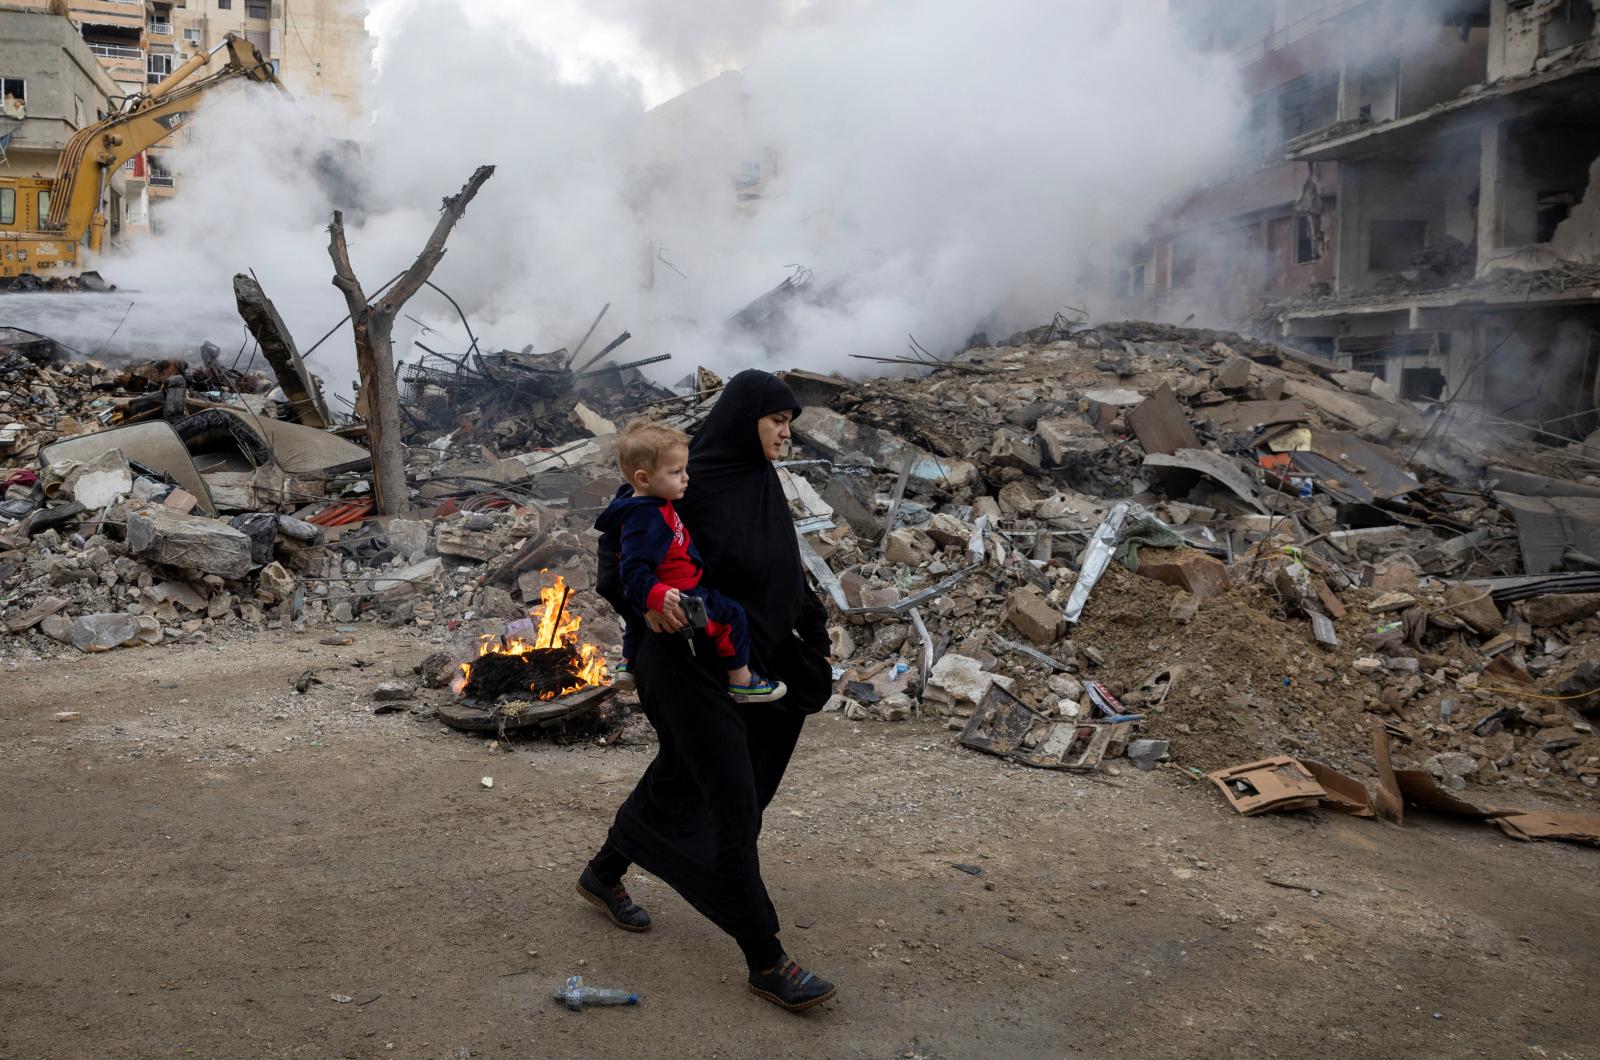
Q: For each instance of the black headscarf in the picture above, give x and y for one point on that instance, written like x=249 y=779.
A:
x=736 y=512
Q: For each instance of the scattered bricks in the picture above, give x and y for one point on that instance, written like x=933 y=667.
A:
x=1558 y=610
x=841 y=645
x=1201 y=575
x=1032 y=616
x=1012 y=448
x=188 y=542
x=181 y=501
x=1475 y=607
x=853 y=584
x=909 y=546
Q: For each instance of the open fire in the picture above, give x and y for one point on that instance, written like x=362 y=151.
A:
x=545 y=658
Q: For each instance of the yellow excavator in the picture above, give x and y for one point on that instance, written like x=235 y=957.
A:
x=45 y=221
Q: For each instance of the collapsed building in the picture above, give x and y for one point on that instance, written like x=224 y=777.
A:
x=1416 y=203
x=1177 y=546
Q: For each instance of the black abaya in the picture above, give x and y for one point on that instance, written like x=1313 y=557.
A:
x=695 y=816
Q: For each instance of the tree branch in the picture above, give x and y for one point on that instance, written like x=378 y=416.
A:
x=452 y=209
x=344 y=275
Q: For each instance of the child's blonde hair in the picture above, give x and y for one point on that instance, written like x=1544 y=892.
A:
x=644 y=444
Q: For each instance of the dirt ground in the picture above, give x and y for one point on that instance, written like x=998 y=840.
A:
x=206 y=864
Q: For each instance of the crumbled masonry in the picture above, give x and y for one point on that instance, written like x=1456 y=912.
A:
x=1297 y=556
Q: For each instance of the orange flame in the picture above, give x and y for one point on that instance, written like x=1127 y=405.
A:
x=555 y=625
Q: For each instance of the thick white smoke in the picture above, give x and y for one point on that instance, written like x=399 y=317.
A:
x=942 y=166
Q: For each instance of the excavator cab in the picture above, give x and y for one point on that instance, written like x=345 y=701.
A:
x=44 y=221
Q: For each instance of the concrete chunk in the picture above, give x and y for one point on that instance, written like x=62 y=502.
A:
x=1032 y=616
x=1559 y=609
x=1203 y=576
x=188 y=542
x=845 y=441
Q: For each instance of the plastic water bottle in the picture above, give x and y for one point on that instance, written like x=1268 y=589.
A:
x=575 y=995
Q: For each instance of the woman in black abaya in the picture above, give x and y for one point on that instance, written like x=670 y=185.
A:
x=695 y=816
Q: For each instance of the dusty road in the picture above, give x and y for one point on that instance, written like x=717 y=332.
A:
x=204 y=864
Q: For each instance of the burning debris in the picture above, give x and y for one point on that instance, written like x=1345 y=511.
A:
x=541 y=655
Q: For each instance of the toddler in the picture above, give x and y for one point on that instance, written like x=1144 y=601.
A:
x=658 y=563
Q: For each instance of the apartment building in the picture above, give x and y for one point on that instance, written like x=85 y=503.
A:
x=1469 y=239
x=1412 y=199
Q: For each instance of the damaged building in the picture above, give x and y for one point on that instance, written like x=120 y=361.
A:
x=1412 y=200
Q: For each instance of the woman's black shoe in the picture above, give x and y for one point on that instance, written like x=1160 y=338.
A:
x=791 y=986
x=615 y=901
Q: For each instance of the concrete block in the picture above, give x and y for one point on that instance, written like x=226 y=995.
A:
x=1201 y=575
x=1032 y=616
x=190 y=543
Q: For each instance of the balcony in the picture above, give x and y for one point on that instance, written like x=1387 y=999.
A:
x=124 y=14
x=159 y=29
x=117 y=51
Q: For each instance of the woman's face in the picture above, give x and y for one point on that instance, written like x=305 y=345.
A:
x=774 y=431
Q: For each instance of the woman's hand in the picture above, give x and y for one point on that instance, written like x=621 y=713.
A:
x=670 y=619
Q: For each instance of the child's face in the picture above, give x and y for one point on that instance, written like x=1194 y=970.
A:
x=670 y=480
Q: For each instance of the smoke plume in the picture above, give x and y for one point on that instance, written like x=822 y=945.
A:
x=941 y=167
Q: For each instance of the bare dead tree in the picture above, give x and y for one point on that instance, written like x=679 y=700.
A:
x=379 y=402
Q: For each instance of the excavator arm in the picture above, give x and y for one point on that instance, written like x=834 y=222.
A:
x=94 y=153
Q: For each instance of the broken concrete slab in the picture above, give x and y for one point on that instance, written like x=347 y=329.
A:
x=43 y=608
x=958 y=683
x=1557 y=610
x=1226 y=470
x=1062 y=438
x=277 y=343
x=426 y=576
x=188 y=542
x=1161 y=424
x=909 y=546
x=103 y=632
x=1012 y=448
x=847 y=442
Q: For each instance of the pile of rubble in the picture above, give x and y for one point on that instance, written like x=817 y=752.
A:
x=1295 y=551
x=1179 y=545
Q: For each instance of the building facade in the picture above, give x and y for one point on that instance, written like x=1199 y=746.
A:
x=1412 y=198
x=1470 y=219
